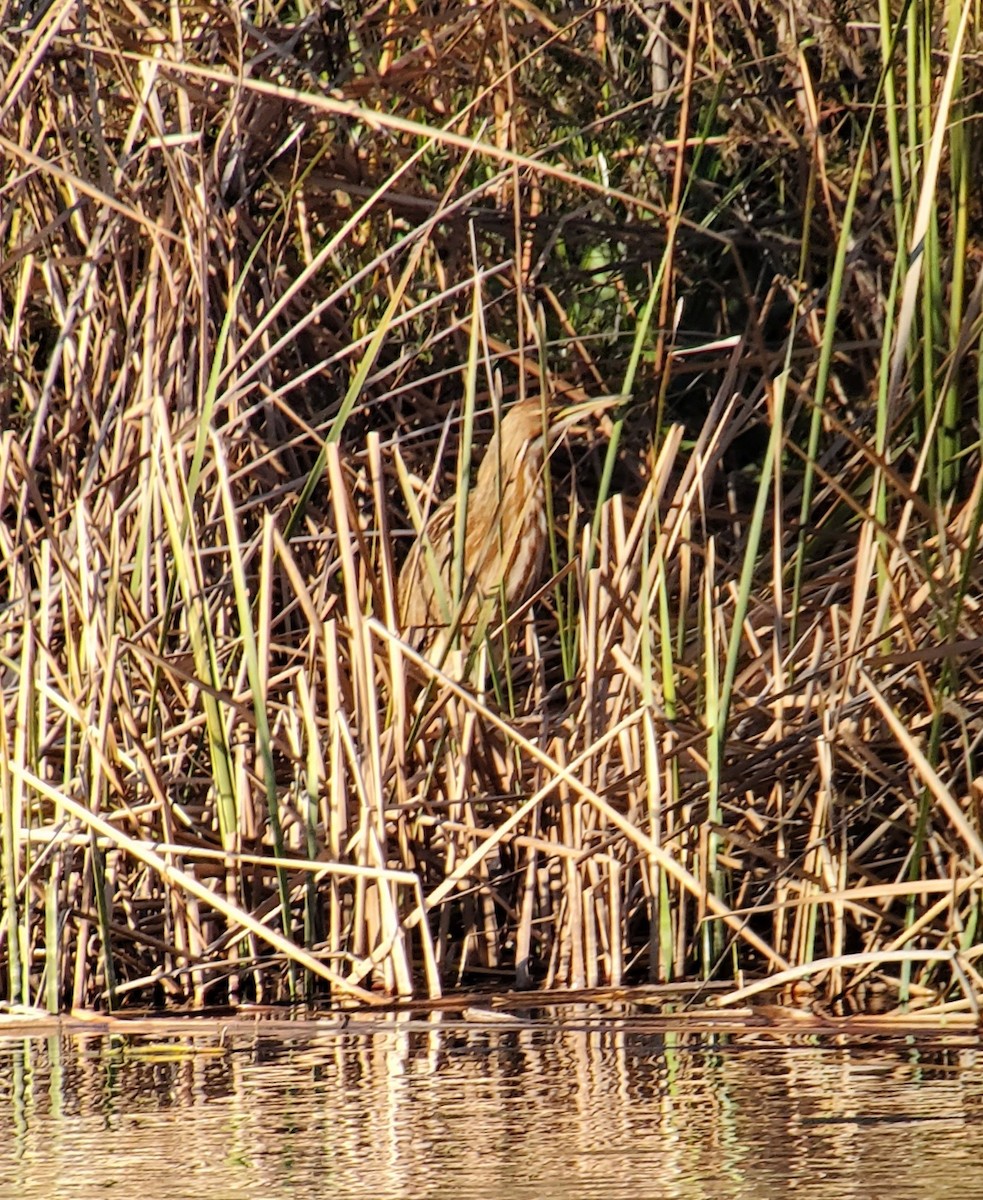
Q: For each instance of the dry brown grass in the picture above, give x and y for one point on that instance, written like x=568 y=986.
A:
x=250 y=277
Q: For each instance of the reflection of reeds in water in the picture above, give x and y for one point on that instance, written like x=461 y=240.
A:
x=369 y=1109
x=745 y=732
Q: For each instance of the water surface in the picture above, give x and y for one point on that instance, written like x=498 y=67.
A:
x=445 y=1107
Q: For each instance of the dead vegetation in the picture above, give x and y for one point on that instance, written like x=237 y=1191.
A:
x=255 y=279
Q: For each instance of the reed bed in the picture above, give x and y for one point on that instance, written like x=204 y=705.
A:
x=268 y=279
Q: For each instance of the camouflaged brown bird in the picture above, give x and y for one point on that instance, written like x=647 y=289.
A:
x=505 y=539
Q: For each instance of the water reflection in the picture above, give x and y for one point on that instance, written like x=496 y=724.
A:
x=441 y=1107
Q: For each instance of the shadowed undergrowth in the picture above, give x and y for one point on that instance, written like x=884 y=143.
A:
x=266 y=287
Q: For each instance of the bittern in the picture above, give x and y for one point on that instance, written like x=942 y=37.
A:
x=505 y=537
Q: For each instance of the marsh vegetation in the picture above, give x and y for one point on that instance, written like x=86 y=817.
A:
x=269 y=277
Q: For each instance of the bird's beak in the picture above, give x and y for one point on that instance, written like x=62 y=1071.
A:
x=583 y=416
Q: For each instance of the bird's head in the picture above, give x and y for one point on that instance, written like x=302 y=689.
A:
x=533 y=424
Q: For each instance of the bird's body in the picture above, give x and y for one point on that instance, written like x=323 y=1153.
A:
x=504 y=543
